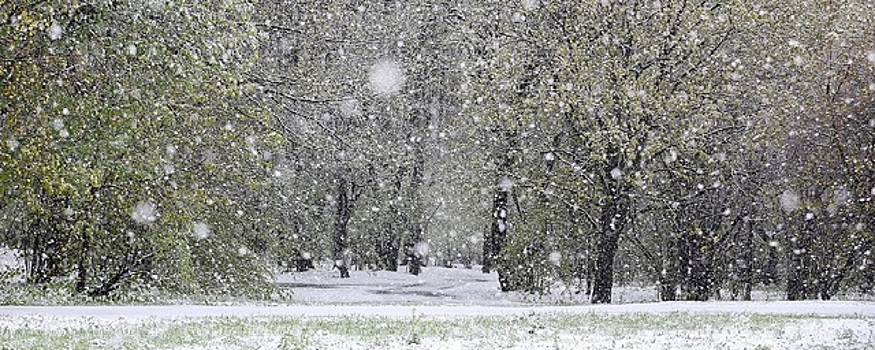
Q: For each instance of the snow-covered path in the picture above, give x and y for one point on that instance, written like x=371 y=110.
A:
x=437 y=292
x=830 y=308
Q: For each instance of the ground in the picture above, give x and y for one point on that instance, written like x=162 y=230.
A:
x=443 y=309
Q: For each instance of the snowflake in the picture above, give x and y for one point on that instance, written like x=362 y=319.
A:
x=616 y=174
x=55 y=32
x=555 y=257
x=144 y=213
x=789 y=201
x=201 y=231
x=386 y=78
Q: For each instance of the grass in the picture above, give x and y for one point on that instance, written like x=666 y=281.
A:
x=592 y=330
x=61 y=294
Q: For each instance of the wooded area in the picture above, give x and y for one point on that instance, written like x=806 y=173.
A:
x=191 y=146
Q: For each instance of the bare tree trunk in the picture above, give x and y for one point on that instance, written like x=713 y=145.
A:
x=497 y=234
x=669 y=276
x=697 y=267
x=341 y=220
x=746 y=272
x=387 y=249
x=798 y=278
x=82 y=269
x=414 y=254
x=604 y=271
x=614 y=217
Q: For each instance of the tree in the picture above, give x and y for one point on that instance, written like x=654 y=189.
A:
x=823 y=203
x=125 y=138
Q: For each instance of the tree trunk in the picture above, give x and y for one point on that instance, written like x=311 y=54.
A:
x=488 y=260
x=604 y=271
x=614 y=216
x=669 y=276
x=414 y=252
x=341 y=220
x=796 y=281
x=746 y=270
x=497 y=232
x=799 y=277
x=387 y=249
x=82 y=270
x=697 y=267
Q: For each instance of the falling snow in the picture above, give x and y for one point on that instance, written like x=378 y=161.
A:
x=242 y=251
x=616 y=173
x=789 y=201
x=475 y=136
x=144 y=213
x=55 y=32
x=350 y=107
x=530 y=5
x=555 y=257
x=506 y=184
x=422 y=249
x=58 y=125
x=201 y=231
x=386 y=78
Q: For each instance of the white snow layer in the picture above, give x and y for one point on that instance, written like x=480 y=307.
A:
x=460 y=295
x=822 y=308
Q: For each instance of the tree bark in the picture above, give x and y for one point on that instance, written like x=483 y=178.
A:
x=497 y=231
x=414 y=255
x=798 y=278
x=387 y=249
x=746 y=270
x=495 y=236
x=697 y=267
x=669 y=276
x=341 y=221
x=614 y=216
x=613 y=220
x=604 y=271
x=82 y=270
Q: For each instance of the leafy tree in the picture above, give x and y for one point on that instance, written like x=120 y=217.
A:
x=126 y=140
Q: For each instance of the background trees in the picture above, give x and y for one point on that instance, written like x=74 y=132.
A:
x=706 y=147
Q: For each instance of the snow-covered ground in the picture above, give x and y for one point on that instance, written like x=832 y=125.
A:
x=134 y=313
x=445 y=309
x=443 y=286
x=643 y=326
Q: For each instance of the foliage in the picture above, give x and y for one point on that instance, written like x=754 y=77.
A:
x=123 y=130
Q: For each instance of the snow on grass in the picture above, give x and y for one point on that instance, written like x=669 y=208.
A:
x=441 y=309
x=138 y=313
x=594 y=330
